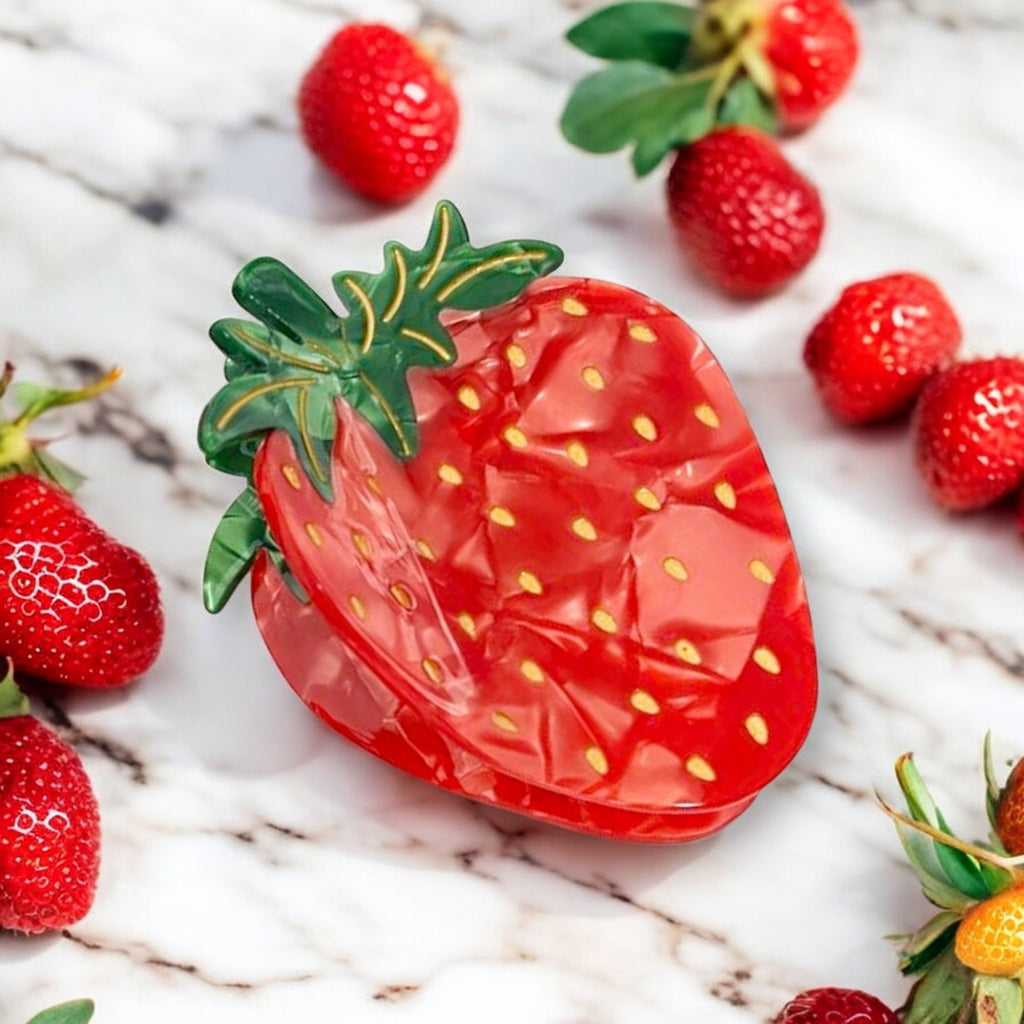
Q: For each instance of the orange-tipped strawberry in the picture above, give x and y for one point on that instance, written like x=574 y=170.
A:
x=970 y=955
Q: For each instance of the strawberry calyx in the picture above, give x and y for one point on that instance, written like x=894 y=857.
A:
x=675 y=74
x=13 y=703
x=287 y=371
x=957 y=877
x=20 y=453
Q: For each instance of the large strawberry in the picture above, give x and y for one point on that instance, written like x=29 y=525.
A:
x=49 y=823
x=76 y=606
x=378 y=112
x=547 y=569
x=678 y=71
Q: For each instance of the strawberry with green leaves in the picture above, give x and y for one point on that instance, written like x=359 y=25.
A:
x=76 y=606
x=969 y=957
x=513 y=536
x=678 y=72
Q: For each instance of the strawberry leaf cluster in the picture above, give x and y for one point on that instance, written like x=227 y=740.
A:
x=957 y=877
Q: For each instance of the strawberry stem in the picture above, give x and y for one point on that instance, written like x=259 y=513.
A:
x=13 y=703
x=21 y=454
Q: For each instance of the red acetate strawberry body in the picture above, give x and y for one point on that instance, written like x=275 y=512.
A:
x=378 y=112
x=812 y=47
x=49 y=830
x=76 y=606
x=582 y=588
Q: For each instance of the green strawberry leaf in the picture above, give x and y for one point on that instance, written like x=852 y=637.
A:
x=656 y=33
x=79 y=1011
x=921 y=948
x=13 y=703
x=745 y=104
x=962 y=870
x=935 y=884
x=993 y=788
x=998 y=1000
x=941 y=994
x=632 y=102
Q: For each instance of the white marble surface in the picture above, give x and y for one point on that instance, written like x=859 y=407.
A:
x=258 y=869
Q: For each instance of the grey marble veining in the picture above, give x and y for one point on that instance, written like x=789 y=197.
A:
x=257 y=868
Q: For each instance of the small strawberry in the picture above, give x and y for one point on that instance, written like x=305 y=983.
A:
x=677 y=71
x=378 y=112
x=75 y=606
x=990 y=938
x=49 y=823
x=742 y=213
x=969 y=432
x=835 y=1006
x=872 y=351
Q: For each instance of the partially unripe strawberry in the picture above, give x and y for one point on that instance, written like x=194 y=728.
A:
x=378 y=112
x=990 y=938
x=1009 y=811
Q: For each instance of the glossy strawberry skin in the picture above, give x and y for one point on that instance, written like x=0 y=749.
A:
x=990 y=937
x=835 y=1006
x=1010 y=811
x=76 y=606
x=969 y=432
x=745 y=217
x=378 y=113
x=468 y=638
x=872 y=351
x=49 y=830
x=812 y=46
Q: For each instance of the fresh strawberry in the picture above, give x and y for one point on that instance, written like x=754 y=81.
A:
x=969 y=432
x=677 y=72
x=49 y=823
x=746 y=218
x=1005 y=804
x=969 y=955
x=502 y=590
x=379 y=112
x=835 y=1006
x=75 y=606
x=872 y=351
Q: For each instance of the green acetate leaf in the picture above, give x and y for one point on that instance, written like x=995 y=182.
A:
x=656 y=33
x=927 y=943
x=279 y=298
x=287 y=371
x=614 y=106
x=240 y=534
x=998 y=1000
x=743 y=103
x=79 y=1011
x=941 y=994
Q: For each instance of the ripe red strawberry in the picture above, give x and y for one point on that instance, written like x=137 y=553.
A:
x=969 y=432
x=75 y=605
x=572 y=593
x=379 y=112
x=677 y=72
x=811 y=48
x=872 y=351
x=49 y=823
x=835 y=1006
x=743 y=214
x=1006 y=805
